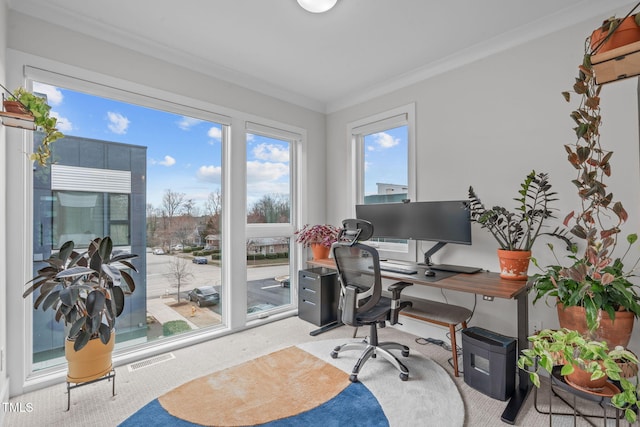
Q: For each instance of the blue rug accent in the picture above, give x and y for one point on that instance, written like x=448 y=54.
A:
x=354 y=406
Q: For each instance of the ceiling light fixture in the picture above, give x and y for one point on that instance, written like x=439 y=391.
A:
x=317 y=6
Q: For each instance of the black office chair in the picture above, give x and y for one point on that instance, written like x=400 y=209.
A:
x=361 y=300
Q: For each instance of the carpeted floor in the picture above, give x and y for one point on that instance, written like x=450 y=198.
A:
x=302 y=385
x=93 y=405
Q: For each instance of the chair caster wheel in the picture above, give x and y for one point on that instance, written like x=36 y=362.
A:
x=405 y=353
x=334 y=354
x=404 y=376
x=353 y=378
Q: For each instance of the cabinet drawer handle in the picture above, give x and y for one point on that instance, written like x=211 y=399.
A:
x=308 y=302
x=308 y=290
x=304 y=276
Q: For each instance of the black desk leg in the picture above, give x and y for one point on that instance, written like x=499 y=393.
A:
x=524 y=385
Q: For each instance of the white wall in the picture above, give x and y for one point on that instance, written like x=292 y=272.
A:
x=488 y=124
x=4 y=379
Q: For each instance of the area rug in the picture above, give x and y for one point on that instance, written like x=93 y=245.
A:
x=303 y=386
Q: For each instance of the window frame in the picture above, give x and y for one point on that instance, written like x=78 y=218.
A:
x=356 y=131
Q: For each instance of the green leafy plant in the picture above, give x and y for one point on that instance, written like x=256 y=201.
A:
x=85 y=289
x=323 y=234
x=571 y=349
x=40 y=111
x=518 y=229
x=595 y=279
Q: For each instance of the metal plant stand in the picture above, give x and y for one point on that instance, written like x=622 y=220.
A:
x=110 y=375
x=557 y=382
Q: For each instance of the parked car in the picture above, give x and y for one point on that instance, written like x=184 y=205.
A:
x=204 y=295
x=158 y=251
x=199 y=260
x=177 y=247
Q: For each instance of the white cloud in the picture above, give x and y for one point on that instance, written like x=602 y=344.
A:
x=209 y=173
x=271 y=152
x=117 y=123
x=167 y=161
x=62 y=124
x=265 y=171
x=188 y=122
x=54 y=96
x=215 y=133
x=384 y=140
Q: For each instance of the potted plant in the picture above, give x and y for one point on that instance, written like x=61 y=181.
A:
x=516 y=231
x=615 y=32
x=586 y=364
x=25 y=102
x=319 y=237
x=86 y=291
x=595 y=282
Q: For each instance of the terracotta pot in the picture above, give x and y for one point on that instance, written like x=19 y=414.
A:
x=626 y=33
x=581 y=379
x=93 y=361
x=319 y=251
x=514 y=264
x=613 y=332
x=14 y=107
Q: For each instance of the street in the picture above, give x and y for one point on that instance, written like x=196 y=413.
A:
x=262 y=289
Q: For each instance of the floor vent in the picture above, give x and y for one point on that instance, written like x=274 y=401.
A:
x=151 y=361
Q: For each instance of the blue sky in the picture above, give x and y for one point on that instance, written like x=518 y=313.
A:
x=183 y=153
x=385 y=155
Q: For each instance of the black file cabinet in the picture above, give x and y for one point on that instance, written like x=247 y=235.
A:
x=318 y=295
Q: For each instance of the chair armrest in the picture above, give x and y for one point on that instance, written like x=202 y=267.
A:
x=397 y=288
x=349 y=300
x=396 y=304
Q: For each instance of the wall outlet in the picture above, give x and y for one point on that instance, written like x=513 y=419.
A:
x=487 y=298
x=537 y=326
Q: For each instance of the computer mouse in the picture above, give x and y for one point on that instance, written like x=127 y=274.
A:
x=429 y=273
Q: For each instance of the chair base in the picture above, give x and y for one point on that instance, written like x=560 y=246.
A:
x=372 y=351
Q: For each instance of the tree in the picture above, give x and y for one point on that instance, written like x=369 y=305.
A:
x=213 y=204
x=172 y=202
x=270 y=209
x=180 y=271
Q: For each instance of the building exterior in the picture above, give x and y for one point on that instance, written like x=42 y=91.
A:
x=92 y=188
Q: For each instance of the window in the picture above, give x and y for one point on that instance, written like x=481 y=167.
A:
x=151 y=180
x=270 y=154
x=384 y=146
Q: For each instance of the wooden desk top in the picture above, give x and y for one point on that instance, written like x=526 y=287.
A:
x=482 y=283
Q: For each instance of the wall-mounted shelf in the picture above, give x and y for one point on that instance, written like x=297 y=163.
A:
x=617 y=64
x=16 y=120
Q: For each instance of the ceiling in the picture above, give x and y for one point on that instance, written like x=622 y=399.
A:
x=359 y=49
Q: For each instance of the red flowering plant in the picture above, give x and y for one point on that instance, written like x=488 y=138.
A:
x=323 y=234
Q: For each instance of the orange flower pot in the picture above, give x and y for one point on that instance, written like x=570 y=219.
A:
x=626 y=33
x=514 y=264
x=613 y=332
x=319 y=251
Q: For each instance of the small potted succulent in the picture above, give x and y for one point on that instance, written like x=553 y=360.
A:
x=318 y=237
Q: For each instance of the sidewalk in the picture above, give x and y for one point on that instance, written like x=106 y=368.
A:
x=163 y=313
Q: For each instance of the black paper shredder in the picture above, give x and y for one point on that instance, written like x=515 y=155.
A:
x=489 y=361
